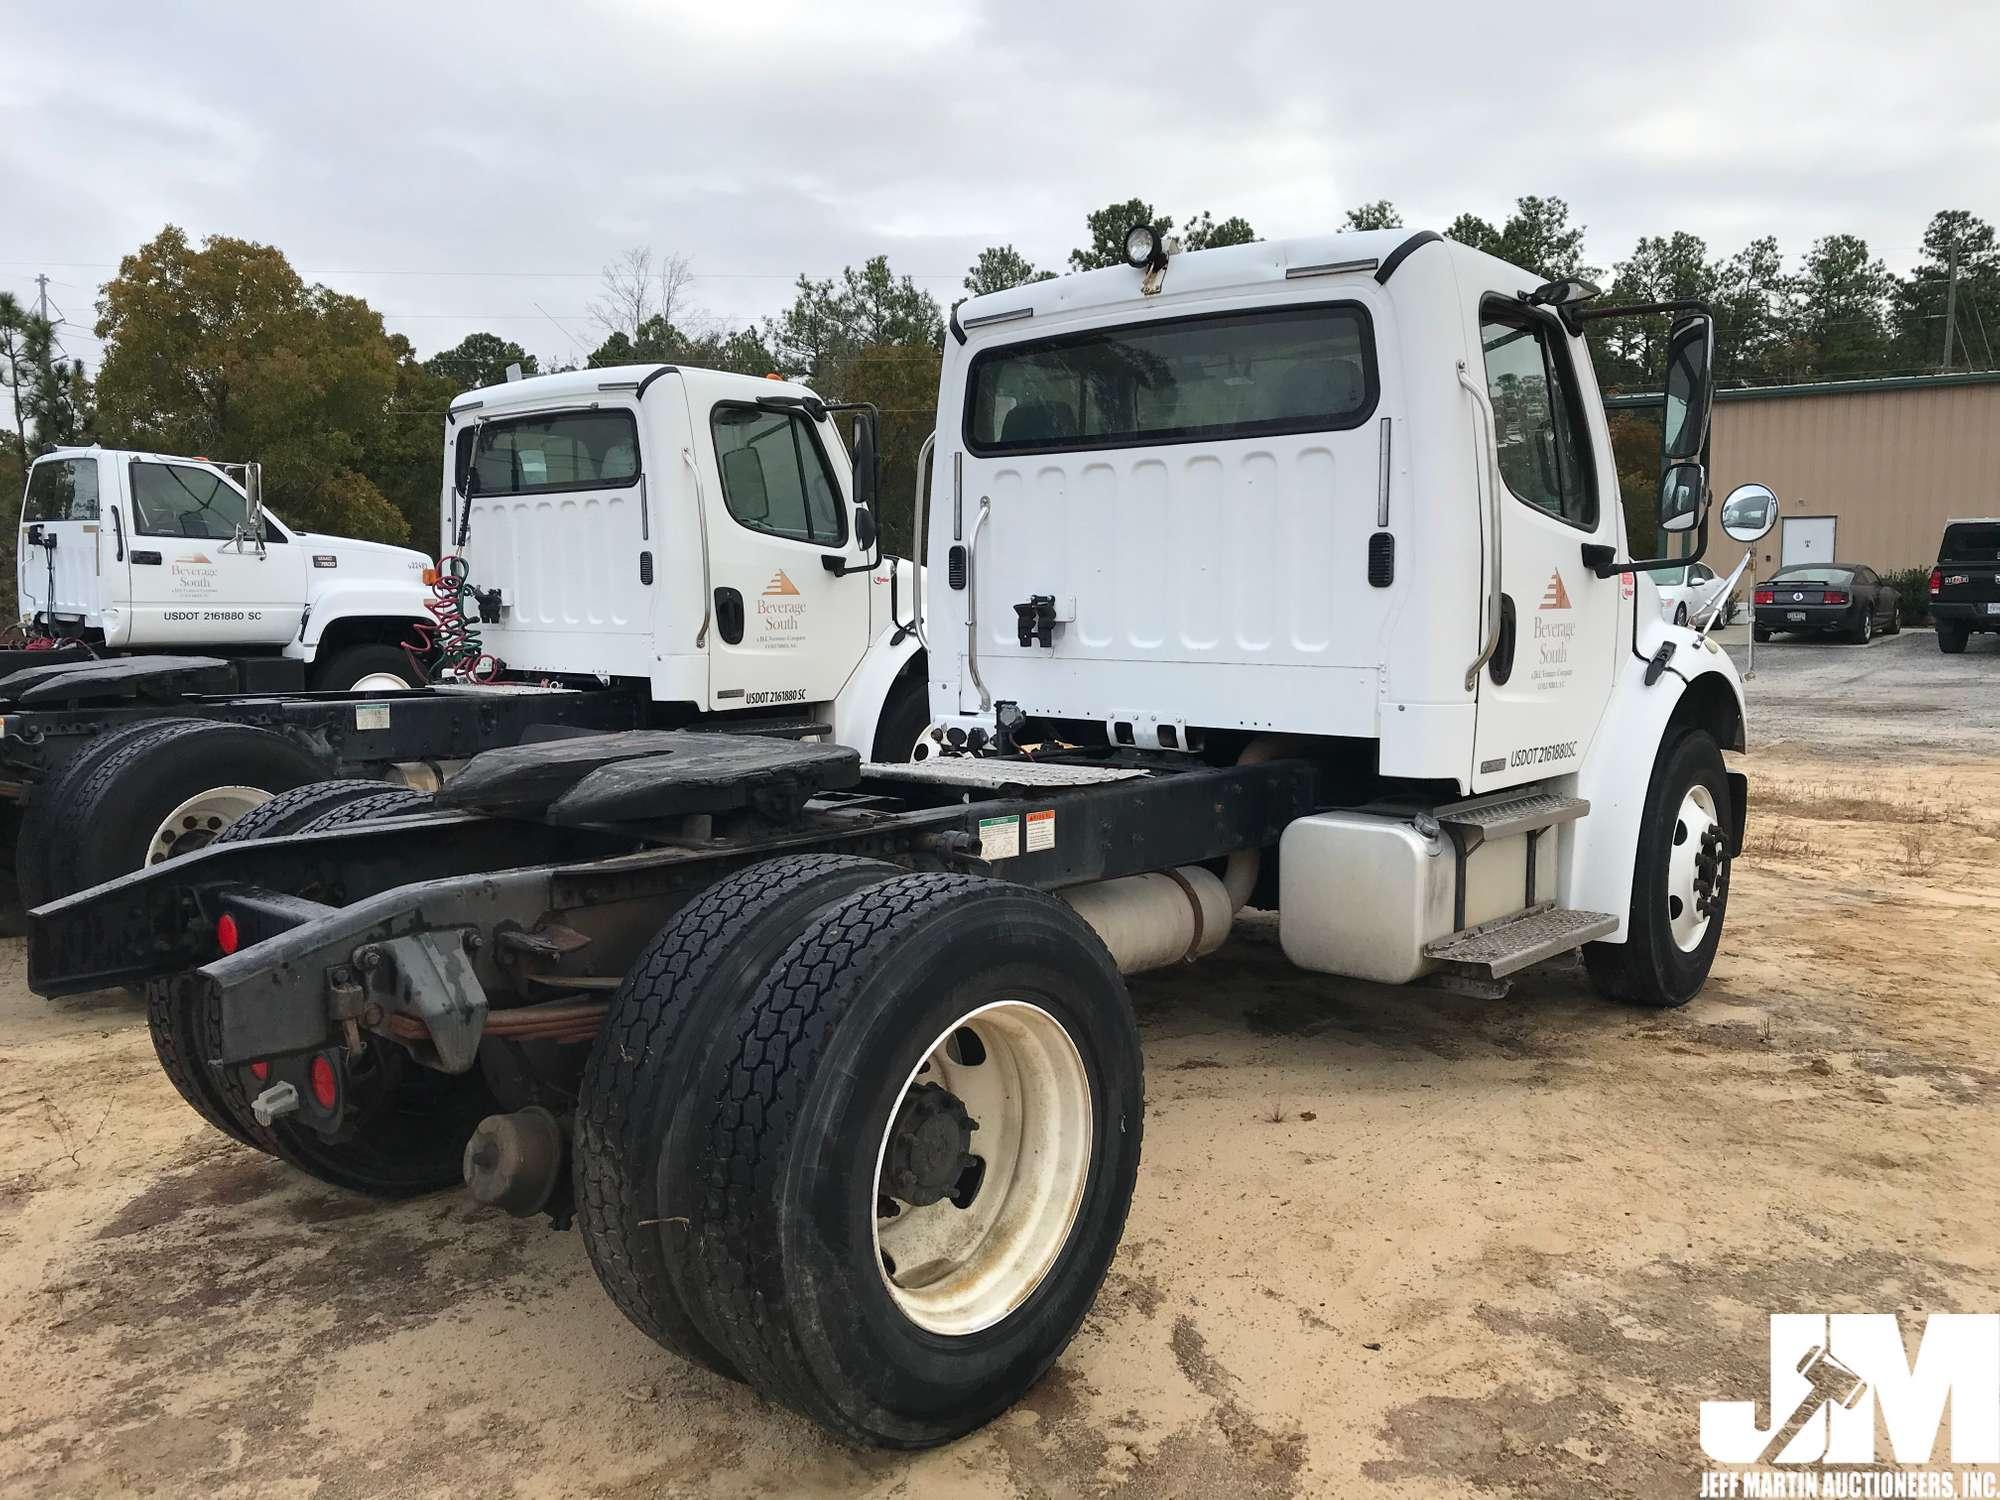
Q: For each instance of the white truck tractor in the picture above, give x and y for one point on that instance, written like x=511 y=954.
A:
x=1289 y=574
x=125 y=553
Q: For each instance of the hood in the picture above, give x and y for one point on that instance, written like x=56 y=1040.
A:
x=370 y=559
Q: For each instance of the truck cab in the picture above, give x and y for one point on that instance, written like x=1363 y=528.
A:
x=152 y=552
x=706 y=533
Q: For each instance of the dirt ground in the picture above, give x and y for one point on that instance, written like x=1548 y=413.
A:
x=1384 y=1242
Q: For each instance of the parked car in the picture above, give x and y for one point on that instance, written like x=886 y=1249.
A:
x=1965 y=584
x=1687 y=594
x=1848 y=599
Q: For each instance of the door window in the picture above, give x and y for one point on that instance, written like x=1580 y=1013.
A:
x=1537 y=425
x=775 y=477
x=62 y=489
x=176 y=500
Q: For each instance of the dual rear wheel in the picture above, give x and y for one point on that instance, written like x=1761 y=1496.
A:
x=864 y=1139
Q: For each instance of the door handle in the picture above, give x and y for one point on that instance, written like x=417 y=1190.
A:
x=147 y=559
x=729 y=616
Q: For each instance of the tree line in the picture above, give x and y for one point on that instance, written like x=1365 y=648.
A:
x=222 y=348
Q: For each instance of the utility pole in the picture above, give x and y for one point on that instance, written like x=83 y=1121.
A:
x=42 y=296
x=1950 y=302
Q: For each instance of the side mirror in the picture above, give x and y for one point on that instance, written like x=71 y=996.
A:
x=1683 y=496
x=866 y=469
x=253 y=492
x=1690 y=360
x=864 y=528
x=1749 y=513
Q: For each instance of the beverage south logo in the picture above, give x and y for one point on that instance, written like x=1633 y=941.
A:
x=1836 y=1379
x=780 y=611
x=1555 y=596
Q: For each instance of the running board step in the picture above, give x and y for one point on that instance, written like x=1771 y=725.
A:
x=1504 y=814
x=1499 y=948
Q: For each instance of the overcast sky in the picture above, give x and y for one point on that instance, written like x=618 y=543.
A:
x=473 y=167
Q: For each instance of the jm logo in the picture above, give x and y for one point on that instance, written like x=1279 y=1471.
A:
x=1832 y=1375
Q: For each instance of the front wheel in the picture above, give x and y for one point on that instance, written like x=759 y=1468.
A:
x=915 y=1157
x=1680 y=614
x=367 y=669
x=899 y=732
x=1680 y=882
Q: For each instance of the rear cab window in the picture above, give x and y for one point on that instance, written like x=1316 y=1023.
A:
x=775 y=475
x=1970 y=541
x=554 y=451
x=1177 y=380
x=61 y=489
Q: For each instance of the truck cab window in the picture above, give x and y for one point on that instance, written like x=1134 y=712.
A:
x=775 y=476
x=1543 y=452
x=567 y=450
x=62 y=489
x=177 y=500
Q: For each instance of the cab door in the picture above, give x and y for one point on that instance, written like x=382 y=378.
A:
x=190 y=579
x=1545 y=689
x=61 y=582
x=790 y=589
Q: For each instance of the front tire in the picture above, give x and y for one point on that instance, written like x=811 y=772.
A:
x=1680 y=614
x=899 y=732
x=1680 y=882
x=804 y=1150
x=367 y=669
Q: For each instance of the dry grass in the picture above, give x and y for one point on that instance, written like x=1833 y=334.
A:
x=1920 y=850
x=1777 y=839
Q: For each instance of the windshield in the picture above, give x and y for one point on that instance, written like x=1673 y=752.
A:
x=1813 y=575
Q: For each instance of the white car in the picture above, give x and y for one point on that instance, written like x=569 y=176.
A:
x=1687 y=594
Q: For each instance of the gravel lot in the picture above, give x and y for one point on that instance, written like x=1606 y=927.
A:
x=1397 y=1243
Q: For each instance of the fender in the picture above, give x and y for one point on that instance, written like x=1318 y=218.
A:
x=367 y=598
x=1699 y=688
x=858 y=708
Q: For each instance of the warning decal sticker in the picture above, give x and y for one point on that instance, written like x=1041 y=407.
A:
x=999 y=838
x=1041 y=829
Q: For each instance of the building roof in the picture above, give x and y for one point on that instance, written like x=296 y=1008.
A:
x=1823 y=388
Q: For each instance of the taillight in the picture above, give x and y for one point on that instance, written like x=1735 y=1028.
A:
x=260 y=1070
x=228 y=936
x=1833 y=596
x=1763 y=596
x=1937 y=579
x=320 y=1078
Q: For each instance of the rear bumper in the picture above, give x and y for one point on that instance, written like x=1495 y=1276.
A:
x=1964 y=611
x=1817 y=616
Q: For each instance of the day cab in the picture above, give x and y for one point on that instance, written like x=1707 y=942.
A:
x=152 y=552
x=694 y=531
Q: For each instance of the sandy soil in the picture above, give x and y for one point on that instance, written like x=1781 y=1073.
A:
x=1384 y=1242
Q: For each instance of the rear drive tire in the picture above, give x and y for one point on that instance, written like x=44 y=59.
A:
x=173 y=1017
x=1760 y=634
x=367 y=669
x=289 y=812
x=813 y=1119
x=1952 y=636
x=167 y=793
x=681 y=994
x=1670 y=942
x=1864 y=629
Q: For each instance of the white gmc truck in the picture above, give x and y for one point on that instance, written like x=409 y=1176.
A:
x=1289 y=574
x=126 y=553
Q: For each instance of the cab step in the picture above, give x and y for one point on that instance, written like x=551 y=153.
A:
x=1502 y=815
x=1498 y=948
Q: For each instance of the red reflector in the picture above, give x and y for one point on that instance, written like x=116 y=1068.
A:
x=1937 y=579
x=1763 y=596
x=260 y=1070
x=325 y=1088
x=228 y=937
x=1830 y=597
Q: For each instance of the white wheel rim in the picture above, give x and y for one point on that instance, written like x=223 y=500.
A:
x=960 y=1269
x=197 y=821
x=1692 y=823
x=379 y=682
x=928 y=743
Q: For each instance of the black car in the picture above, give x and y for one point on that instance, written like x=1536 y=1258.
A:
x=1847 y=599
x=1965 y=584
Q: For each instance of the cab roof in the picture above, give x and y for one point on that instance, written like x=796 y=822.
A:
x=572 y=386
